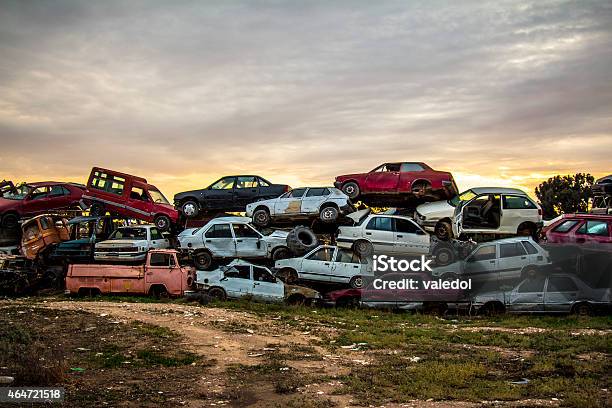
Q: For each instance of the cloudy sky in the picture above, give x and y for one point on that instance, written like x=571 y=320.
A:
x=499 y=93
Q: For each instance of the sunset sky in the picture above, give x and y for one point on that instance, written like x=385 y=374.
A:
x=183 y=92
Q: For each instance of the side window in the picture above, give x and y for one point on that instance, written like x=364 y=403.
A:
x=484 y=253
x=117 y=185
x=40 y=192
x=246 y=182
x=561 y=284
x=512 y=249
x=296 y=193
x=380 y=224
x=262 y=182
x=161 y=259
x=219 y=231
x=138 y=193
x=226 y=183
x=45 y=223
x=594 y=227
x=517 y=203
x=530 y=248
x=99 y=180
x=346 y=256
x=239 y=272
x=155 y=234
x=262 y=275
x=323 y=254
x=406 y=167
x=406 y=226
x=532 y=285
x=31 y=231
x=316 y=192
x=58 y=191
x=244 y=231
x=565 y=226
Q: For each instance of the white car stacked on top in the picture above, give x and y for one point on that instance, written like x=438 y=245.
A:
x=328 y=264
x=129 y=244
x=326 y=203
x=231 y=237
x=383 y=233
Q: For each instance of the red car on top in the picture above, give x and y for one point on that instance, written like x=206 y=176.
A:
x=128 y=196
x=30 y=199
x=398 y=180
x=580 y=229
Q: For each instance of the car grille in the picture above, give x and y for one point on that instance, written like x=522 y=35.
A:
x=124 y=249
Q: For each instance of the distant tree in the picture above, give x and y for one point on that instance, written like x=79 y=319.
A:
x=565 y=194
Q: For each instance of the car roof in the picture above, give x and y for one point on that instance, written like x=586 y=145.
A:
x=509 y=240
x=498 y=190
x=149 y=226
x=586 y=216
x=118 y=173
x=236 y=219
x=46 y=183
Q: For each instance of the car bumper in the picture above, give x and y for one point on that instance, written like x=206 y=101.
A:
x=118 y=256
x=344 y=242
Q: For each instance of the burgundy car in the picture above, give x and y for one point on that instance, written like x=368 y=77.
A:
x=417 y=298
x=398 y=180
x=36 y=198
x=581 y=229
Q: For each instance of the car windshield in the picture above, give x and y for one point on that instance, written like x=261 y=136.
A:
x=21 y=192
x=157 y=196
x=129 y=233
x=465 y=196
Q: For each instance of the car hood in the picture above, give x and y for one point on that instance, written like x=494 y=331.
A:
x=347 y=176
x=487 y=296
x=120 y=243
x=74 y=243
x=187 y=232
x=455 y=267
x=183 y=194
x=436 y=209
x=277 y=234
x=358 y=215
x=306 y=292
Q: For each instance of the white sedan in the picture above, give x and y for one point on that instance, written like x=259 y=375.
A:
x=326 y=264
x=326 y=203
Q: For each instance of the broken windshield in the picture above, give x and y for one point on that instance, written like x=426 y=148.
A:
x=20 y=192
x=465 y=196
x=157 y=196
x=129 y=233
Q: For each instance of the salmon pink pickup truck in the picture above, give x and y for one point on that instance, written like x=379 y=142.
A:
x=161 y=275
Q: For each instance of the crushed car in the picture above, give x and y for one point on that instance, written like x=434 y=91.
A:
x=85 y=232
x=305 y=203
x=394 y=182
x=161 y=275
x=130 y=244
x=130 y=197
x=41 y=234
x=242 y=279
x=585 y=229
x=32 y=199
x=229 y=194
x=7 y=186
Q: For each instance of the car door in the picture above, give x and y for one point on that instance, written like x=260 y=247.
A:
x=380 y=231
x=138 y=200
x=512 y=259
x=220 y=241
x=290 y=202
x=561 y=293
x=318 y=264
x=515 y=210
x=346 y=265
x=383 y=179
x=481 y=265
x=37 y=200
x=237 y=281
x=528 y=296
x=410 y=238
x=248 y=242
x=220 y=195
x=157 y=239
x=593 y=232
x=266 y=287
x=162 y=269
x=313 y=198
x=246 y=191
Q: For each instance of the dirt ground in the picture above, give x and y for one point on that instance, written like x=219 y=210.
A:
x=214 y=356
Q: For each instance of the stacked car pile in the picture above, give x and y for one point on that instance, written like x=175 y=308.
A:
x=134 y=241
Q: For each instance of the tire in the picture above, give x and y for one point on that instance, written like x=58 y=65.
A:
x=347 y=302
x=203 y=260
x=351 y=189
x=420 y=188
x=363 y=248
x=582 y=309
x=261 y=217
x=190 y=209
x=288 y=275
x=159 y=292
x=281 y=253
x=329 y=215
x=10 y=221
x=525 y=230
x=162 y=222
x=492 y=309
x=356 y=282
x=96 y=209
x=217 y=294
x=444 y=255
x=296 y=300
x=435 y=308
x=443 y=231
x=301 y=240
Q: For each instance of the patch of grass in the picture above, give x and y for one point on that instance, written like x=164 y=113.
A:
x=307 y=402
x=153 y=358
x=155 y=331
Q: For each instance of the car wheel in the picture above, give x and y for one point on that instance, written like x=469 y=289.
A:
x=420 y=188
x=217 y=294
x=280 y=253
x=261 y=217
x=10 y=221
x=526 y=231
x=288 y=275
x=582 y=309
x=363 y=248
x=190 y=209
x=203 y=260
x=96 y=209
x=162 y=222
x=296 y=300
x=443 y=231
x=351 y=189
x=159 y=292
x=348 y=302
x=356 y=282
x=301 y=240
x=492 y=309
x=444 y=255
x=329 y=214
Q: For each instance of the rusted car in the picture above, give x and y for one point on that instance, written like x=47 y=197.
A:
x=161 y=275
x=40 y=234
